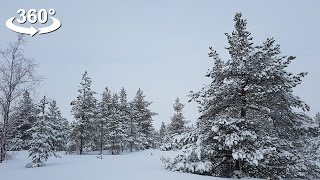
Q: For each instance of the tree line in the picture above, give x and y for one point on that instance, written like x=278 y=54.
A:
x=111 y=123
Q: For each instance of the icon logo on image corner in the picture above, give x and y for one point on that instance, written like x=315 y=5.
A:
x=33 y=16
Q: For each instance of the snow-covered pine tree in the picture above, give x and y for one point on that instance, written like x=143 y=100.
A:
x=124 y=117
x=317 y=118
x=248 y=123
x=143 y=117
x=60 y=126
x=43 y=137
x=178 y=123
x=24 y=117
x=162 y=132
x=83 y=109
x=132 y=132
x=156 y=139
x=116 y=131
x=103 y=119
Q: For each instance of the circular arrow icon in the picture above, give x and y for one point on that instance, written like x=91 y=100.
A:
x=54 y=26
x=31 y=30
x=32 y=18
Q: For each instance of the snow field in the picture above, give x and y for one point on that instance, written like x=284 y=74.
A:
x=129 y=166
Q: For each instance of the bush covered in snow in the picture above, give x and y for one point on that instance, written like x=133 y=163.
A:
x=178 y=141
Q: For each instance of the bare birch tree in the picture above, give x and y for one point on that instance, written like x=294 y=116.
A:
x=17 y=74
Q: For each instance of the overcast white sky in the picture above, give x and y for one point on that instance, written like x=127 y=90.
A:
x=160 y=46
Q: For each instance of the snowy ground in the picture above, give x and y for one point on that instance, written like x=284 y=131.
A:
x=134 y=166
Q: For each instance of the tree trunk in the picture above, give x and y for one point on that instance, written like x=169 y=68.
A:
x=81 y=145
x=243 y=114
x=5 y=131
x=101 y=139
x=0 y=154
x=238 y=165
x=112 y=148
x=81 y=135
x=131 y=133
x=101 y=149
x=81 y=140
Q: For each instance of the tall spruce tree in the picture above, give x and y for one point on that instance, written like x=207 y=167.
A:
x=142 y=116
x=83 y=109
x=133 y=130
x=124 y=117
x=43 y=137
x=24 y=117
x=248 y=124
x=103 y=120
x=116 y=131
x=178 y=123
x=162 y=132
x=60 y=126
